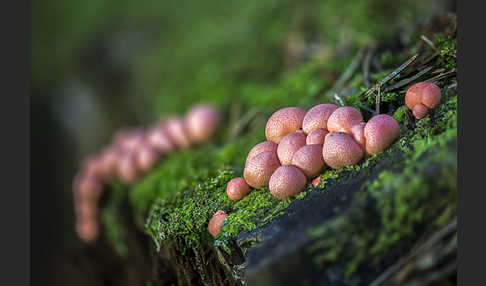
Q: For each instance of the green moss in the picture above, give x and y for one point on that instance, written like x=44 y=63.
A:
x=415 y=195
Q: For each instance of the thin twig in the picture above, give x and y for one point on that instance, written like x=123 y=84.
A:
x=391 y=75
x=408 y=80
x=338 y=99
x=429 y=42
x=378 y=100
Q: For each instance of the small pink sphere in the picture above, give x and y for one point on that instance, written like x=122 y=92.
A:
x=380 y=132
x=309 y=160
x=237 y=188
x=87 y=229
x=146 y=158
x=287 y=181
x=420 y=111
x=259 y=169
x=86 y=188
x=177 y=131
x=343 y=119
x=317 y=116
x=289 y=144
x=202 y=122
x=426 y=93
x=109 y=160
x=340 y=150
x=357 y=132
x=214 y=225
x=260 y=148
x=158 y=138
x=283 y=122
x=127 y=169
x=91 y=166
x=316 y=137
x=132 y=140
x=86 y=210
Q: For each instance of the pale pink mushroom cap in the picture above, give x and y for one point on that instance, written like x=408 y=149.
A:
x=309 y=160
x=343 y=119
x=86 y=188
x=131 y=141
x=425 y=93
x=109 y=160
x=340 y=150
x=316 y=137
x=127 y=168
x=420 y=111
x=287 y=181
x=87 y=229
x=177 y=131
x=259 y=169
x=317 y=116
x=357 y=132
x=260 y=148
x=158 y=138
x=237 y=188
x=146 y=157
x=283 y=122
x=289 y=144
x=214 y=225
x=86 y=210
x=202 y=122
x=380 y=132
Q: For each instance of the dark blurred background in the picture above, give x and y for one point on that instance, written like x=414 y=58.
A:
x=98 y=65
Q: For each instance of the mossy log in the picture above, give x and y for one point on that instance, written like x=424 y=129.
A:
x=355 y=227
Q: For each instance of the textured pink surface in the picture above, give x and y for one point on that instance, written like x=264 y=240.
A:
x=340 y=150
x=237 y=188
x=259 y=169
x=289 y=145
x=343 y=119
x=283 y=122
x=287 y=181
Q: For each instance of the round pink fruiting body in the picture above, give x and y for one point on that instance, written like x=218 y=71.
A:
x=127 y=169
x=340 y=150
x=357 y=132
x=158 y=138
x=237 y=188
x=317 y=116
x=423 y=93
x=420 y=111
x=86 y=188
x=260 y=148
x=316 y=136
x=259 y=169
x=214 y=225
x=177 y=131
x=202 y=122
x=146 y=158
x=109 y=160
x=283 y=122
x=380 y=132
x=130 y=141
x=87 y=229
x=289 y=144
x=309 y=160
x=287 y=181
x=86 y=209
x=343 y=119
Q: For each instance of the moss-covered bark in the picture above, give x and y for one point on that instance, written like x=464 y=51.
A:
x=345 y=231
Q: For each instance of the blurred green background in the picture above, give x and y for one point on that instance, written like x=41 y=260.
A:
x=98 y=65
